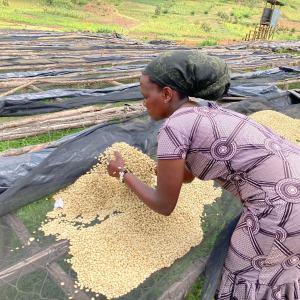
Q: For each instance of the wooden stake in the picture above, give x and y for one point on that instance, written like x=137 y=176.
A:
x=39 y=258
x=20 y=87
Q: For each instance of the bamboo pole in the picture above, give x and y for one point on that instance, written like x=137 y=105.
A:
x=39 y=258
x=18 y=88
x=41 y=129
x=33 y=262
x=23 y=150
x=116 y=83
x=33 y=87
x=58 y=115
x=63 y=64
x=270 y=32
x=83 y=124
x=228 y=98
x=179 y=289
x=71 y=76
x=70 y=120
x=288 y=81
x=61 y=82
x=266 y=32
x=254 y=34
x=275 y=28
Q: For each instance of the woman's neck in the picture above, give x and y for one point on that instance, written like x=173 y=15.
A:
x=182 y=103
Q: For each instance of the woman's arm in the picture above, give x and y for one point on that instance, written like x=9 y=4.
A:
x=188 y=175
x=170 y=177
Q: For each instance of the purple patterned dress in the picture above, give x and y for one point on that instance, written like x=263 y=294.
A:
x=263 y=171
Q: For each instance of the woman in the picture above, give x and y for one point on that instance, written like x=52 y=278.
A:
x=249 y=160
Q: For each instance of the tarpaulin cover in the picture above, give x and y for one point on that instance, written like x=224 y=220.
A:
x=36 y=175
x=59 y=72
x=66 y=161
x=285 y=102
x=259 y=83
x=30 y=107
x=20 y=166
x=40 y=284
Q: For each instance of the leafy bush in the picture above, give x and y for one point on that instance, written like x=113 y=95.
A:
x=223 y=15
x=4 y=3
x=208 y=42
x=80 y=2
x=157 y=11
x=59 y=3
x=206 y=27
x=65 y=3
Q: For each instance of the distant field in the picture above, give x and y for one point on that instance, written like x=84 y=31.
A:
x=191 y=22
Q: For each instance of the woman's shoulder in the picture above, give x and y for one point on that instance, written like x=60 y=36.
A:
x=184 y=118
x=200 y=118
x=181 y=120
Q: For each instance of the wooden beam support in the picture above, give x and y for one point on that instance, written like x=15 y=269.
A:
x=34 y=262
x=18 y=88
x=179 y=289
x=41 y=258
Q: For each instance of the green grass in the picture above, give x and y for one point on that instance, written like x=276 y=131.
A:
x=6 y=119
x=229 y=206
x=211 y=220
x=289 y=51
x=46 y=137
x=38 y=209
x=194 y=22
x=295 y=85
x=35 y=286
x=214 y=219
x=195 y=291
x=202 y=23
x=36 y=14
x=37 y=139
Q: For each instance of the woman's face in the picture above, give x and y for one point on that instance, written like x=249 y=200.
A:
x=154 y=99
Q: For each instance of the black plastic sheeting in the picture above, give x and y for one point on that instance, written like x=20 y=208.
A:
x=33 y=103
x=34 y=74
x=247 y=84
x=264 y=77
x=215 y=263
x=60 y=72
x=85 y=145
x=235 y=90
x=30 y=107
x=32 y=176
x=29 y=177
x=286 y=102
x=253 y=90
x=55 y=93
x=280 y=73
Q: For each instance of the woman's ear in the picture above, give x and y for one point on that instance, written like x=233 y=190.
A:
x=167 y=94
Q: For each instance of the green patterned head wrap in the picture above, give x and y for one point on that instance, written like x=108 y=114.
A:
x=191 y=73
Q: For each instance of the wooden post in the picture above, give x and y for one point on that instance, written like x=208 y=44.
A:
x=39 y=258
x=20 y=87
x=254 y=33
x=274 y=30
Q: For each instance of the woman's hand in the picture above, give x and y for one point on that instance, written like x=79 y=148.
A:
x=116 y=165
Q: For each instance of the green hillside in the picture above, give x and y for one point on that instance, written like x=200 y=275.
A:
x=195 y=22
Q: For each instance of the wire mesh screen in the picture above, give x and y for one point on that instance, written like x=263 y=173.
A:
x=35 y=267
